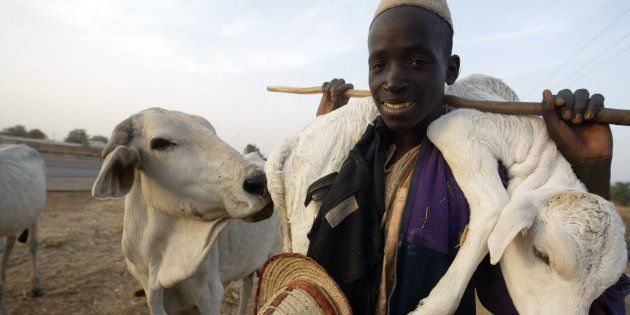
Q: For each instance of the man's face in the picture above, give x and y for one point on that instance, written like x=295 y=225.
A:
x=409 y=64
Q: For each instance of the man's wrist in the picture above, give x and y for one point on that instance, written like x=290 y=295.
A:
x=595 y=176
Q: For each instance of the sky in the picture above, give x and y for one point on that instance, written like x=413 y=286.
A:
x=70 y=64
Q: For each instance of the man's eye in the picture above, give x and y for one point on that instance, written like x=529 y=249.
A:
x=160 y=144
x=377 y=66
x=418 y=62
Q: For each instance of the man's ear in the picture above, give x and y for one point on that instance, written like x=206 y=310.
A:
x=117 y=173
x=453 y=69
x=516 y=217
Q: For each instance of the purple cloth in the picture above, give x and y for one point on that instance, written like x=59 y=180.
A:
x=437 y=211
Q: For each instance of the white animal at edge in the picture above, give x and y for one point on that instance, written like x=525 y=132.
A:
x=183 y=187
x=22 y=200
x=571 y=247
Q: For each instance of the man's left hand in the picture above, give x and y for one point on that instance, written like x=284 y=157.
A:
x=585 y=144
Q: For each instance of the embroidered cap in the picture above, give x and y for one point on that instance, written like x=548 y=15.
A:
x=439 y=7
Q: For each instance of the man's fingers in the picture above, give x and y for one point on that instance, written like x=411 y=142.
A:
x=569 y=102
x=329 y=86
x=581 y=97
x=549 y=111
x=557 y=129
x=344 y=87
x=550 y=114
x=594 y=105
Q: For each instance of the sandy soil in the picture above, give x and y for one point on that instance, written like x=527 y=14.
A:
x=81 y=265
x=80 y=262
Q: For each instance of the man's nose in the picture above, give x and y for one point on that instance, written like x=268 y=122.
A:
x=256 y=185
x=396 y=80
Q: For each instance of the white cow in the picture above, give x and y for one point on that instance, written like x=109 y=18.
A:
x=183 y=185
x=544 y=197
x=22 y=199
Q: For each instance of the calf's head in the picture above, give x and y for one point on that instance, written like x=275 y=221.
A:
x=570 y=249
x=182 y=167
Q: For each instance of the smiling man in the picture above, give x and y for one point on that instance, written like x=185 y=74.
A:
x=394 y=262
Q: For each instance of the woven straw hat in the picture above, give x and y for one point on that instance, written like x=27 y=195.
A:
x=296 y=284
x=439 y=7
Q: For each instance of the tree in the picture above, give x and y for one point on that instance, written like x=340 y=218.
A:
x=620 y=192
x=77 y=136
x=15 y=131
x=253 y=148
x=20 y=131
x=99 y=138
x=36 y=134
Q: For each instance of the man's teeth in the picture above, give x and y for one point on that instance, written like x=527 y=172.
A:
x=397 y=106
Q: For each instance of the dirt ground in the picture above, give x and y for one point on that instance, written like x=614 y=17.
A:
x=81 y=266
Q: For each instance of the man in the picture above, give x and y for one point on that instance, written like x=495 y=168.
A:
x=387 y=270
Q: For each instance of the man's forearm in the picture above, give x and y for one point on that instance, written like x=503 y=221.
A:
x=595 y=176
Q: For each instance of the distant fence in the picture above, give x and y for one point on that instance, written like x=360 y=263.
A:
x=47 y=146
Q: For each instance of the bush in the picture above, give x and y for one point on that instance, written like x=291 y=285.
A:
x=620 y=192
x=253 y=148
x=99 y=138
x=20 y=131
x=77 y=136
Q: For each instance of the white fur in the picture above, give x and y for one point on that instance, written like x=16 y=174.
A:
x=22 y=199
x=181 y=201
x=472 y=143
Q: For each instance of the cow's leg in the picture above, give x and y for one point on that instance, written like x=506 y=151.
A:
x=36 y=291
x=3 y=310
x=209 y=293
x=155 y=299
x=8 y=246
x=246 y=290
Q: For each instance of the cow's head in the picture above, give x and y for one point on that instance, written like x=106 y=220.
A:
x=182 y=167
x=559 y=252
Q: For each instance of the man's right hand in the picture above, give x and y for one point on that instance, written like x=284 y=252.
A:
x=332 y=98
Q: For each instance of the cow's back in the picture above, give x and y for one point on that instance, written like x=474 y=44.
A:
x=22 y=188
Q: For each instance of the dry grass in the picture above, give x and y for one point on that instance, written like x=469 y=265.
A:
x=81 y=265
x=80 y=262
x=625 y=215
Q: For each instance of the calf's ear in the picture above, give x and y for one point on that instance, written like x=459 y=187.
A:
x=517 y=216
x=117 y=173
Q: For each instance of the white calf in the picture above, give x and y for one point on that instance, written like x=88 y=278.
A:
x=183 y=185
x=22 y=199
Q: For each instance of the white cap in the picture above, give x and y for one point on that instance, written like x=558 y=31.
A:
x=439 y=7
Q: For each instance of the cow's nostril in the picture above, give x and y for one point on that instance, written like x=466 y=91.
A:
x=256 y=185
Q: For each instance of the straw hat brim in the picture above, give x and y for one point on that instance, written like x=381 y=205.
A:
x=288 y=269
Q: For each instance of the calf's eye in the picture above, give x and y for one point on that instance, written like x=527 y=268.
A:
x=540 y=255
x=160 y=144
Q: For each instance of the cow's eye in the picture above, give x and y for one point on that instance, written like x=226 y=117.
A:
x=160 y=144
x=540 y=255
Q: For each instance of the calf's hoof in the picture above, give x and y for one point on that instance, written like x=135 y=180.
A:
x=139 y=293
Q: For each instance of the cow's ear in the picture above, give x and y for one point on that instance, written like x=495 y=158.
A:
x=517 y=216
x=117 y=173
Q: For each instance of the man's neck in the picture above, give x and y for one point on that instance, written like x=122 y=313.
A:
x=407 y=140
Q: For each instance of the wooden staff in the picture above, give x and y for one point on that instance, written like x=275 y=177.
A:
x=605 y=115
